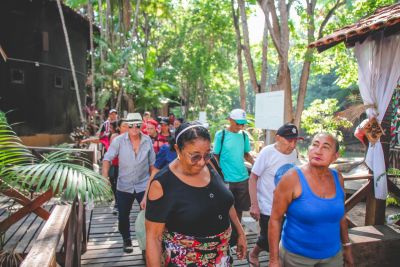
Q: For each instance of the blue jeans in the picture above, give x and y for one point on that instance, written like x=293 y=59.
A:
x=125 y=201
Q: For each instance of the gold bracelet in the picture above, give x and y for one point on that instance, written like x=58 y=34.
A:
x=346 y=244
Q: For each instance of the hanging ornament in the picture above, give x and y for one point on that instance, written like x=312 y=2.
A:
x=373 y=130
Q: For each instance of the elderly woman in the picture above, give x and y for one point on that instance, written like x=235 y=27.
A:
x=188 y=208
x=312 y=196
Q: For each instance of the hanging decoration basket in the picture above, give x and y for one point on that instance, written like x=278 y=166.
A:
x=373 y=130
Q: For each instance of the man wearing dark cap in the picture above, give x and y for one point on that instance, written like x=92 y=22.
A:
x=269 y=162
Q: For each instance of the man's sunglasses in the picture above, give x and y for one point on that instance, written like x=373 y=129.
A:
x=137 y=125
x=240 y=124
x=197 y=157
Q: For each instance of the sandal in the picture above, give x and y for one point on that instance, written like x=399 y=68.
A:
x=251 y=264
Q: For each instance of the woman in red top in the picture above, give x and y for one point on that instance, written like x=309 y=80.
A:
x=122 y=128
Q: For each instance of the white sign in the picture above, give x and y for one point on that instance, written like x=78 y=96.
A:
x=202 y=116
x=270 y=110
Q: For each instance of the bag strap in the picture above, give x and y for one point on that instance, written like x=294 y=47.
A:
x=223 y=137
x=222 y=141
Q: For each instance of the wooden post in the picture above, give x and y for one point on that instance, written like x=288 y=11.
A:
x=70 y=244
x=375 y=209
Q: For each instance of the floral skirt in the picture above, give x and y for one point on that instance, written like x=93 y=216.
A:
x=189 y=251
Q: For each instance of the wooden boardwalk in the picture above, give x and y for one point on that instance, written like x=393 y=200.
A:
x=21 y=235
x=105 y=242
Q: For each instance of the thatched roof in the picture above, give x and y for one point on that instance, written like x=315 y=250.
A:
x=385 y=18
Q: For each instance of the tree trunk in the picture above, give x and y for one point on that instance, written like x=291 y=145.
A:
x=279 y=31
x=93 y=63
x=301 y=95
x=101 y=23
x=119 y=99
x=136 y=20
x=305 y=73
x=242 y=86
x=146 y=30
x=246 y=47
x=109 y=38
x=127 y=14
x=78 y=97
x=264 y=60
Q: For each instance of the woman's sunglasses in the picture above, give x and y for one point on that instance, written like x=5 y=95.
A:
x=197 y=157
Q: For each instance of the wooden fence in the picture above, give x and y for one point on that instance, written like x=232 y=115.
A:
x=65 y=229
x=375 y=208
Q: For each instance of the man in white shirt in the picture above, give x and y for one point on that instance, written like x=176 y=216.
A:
x=261 y=183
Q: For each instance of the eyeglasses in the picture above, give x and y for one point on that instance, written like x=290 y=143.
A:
x=197 y=157
x=137 y=125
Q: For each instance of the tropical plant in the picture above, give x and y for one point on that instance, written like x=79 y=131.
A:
x=391 y=198
x=66 y=173
x=320 y=117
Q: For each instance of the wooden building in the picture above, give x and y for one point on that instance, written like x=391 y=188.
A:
x=36 y=85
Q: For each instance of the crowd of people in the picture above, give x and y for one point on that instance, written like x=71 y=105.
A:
x=193 y=211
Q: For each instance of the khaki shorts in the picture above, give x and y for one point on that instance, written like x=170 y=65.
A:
x=289 y=259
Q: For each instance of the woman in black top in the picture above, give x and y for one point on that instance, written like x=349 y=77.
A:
x=189 y=209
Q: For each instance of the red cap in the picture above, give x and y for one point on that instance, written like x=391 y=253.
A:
x=154 y=122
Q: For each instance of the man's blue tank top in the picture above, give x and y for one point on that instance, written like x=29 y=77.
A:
x=312 y=225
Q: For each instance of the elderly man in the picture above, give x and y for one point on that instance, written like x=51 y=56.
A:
x=136 y=160
x=271 y=161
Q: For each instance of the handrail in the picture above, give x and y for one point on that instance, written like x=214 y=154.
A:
x=43 y=252
x=69 y=221
x=358 y=177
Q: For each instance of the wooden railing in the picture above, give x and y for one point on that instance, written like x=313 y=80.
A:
x=67 y=221
x=375 y=208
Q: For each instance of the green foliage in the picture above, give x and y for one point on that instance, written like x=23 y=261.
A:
x=339 y=58
x=320 y=117
x=186 y=51
x=62 y=171
x=391 y=198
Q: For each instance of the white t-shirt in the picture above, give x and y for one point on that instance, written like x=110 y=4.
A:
x=266 y=165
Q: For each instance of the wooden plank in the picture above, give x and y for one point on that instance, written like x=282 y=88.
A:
x=358 y=196
x=14 y=228
x=105 y=242
x=377 y=245
x=31 y=234
x=358 y=177
x=350 y=223
x=43 y=252
x=20 y=232
x=23 y=200
x=4 y=225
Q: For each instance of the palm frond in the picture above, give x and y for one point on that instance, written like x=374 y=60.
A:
x=353 y=112
x=65 y=172
x=63 y=176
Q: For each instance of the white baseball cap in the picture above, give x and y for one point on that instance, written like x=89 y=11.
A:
x=238 y=115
